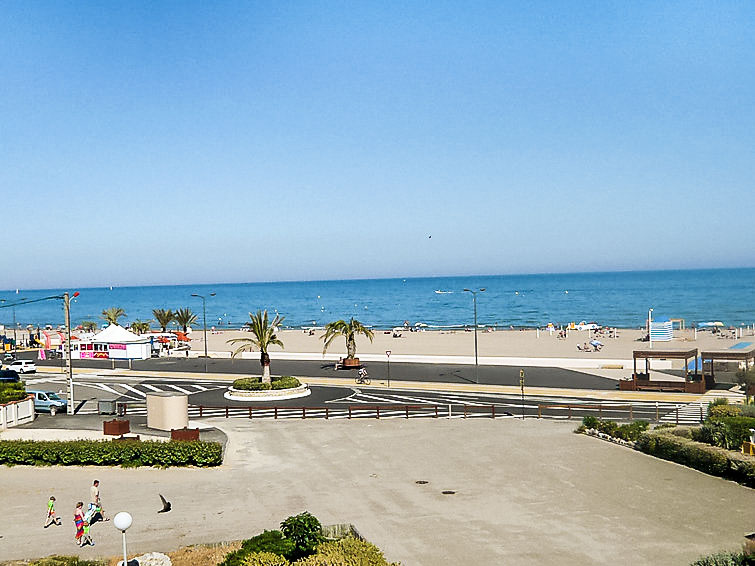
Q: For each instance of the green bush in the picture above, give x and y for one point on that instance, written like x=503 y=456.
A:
x=725 y=559
x=268 y=541
x=346 y=552
x=264 y=559
x=285 y=382
x=250 y=384
x=109 y=453
x=590 y=422
x=10 y=392
x=709 y=459
x=629 y=432
x=721 y=411
x=304 y=531
x=747 y=410
x=67 y=561
x=726 y=432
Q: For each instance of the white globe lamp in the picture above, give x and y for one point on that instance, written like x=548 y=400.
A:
x=122 y=521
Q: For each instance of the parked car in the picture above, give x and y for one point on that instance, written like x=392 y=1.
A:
x=48 y=402
x=584 y=325
x=9 y=376
x=23 y=366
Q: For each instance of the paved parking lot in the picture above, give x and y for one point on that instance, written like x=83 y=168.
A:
x=525 y=492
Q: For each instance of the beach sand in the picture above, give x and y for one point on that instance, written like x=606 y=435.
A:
x=504 y=343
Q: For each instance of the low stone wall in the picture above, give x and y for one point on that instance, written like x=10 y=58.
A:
x=17 y=412
x=268 y=394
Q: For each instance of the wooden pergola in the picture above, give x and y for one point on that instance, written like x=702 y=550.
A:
x=736 y=355
x=649 y=354
x=642 y=381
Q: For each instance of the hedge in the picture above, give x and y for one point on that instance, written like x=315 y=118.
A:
x=110 y=453
x=10 y=392
x=709 y=459
x=346 y=552
x=266 y=542
x=255 y=383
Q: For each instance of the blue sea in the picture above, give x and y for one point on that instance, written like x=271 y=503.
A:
x=614 y=299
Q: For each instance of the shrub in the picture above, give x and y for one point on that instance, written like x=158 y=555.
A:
x=10 y=392
x=632 y=431
x=724 y=559
x=717 y=402
x=346 y=552
x=107 y=453
x=268 y=541
x=67 y=561
x=747 y=410
x=726 y=432
x=251 y=384
x=709 y=459
x=285 y=382
x=721 y=411
x=304 y=531
x=265 y=559
x=590 y=422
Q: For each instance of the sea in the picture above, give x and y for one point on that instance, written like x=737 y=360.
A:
x=621 y=299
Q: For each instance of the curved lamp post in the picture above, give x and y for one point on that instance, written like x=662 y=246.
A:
x=474 y=301
x=122 y=521
x=204 y=324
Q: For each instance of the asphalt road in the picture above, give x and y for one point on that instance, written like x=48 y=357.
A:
x=444 y=373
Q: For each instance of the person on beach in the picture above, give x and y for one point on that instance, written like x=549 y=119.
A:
x=78 y=519
x=52 y=519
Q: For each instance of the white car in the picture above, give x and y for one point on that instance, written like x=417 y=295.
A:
x=23 y=366
x=584 y=325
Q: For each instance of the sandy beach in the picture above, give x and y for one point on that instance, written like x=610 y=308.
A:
x=499 y=343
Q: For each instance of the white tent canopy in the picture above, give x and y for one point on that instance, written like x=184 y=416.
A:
x=115 y=334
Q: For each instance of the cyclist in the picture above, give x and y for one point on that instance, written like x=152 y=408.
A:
x=362 y=376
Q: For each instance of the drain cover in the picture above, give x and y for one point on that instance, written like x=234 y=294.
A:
x=421 y=482
x=448 y=492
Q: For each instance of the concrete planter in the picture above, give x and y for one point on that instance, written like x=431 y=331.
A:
x=268 y=395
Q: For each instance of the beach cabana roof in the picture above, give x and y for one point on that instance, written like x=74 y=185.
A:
x=115 y=334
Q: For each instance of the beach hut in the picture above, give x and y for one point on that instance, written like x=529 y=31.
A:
x=661 y=329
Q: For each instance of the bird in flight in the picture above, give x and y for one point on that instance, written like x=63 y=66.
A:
x=166 y=504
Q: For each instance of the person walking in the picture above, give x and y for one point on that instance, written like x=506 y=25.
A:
x=86 y=538
x=95 y=501
x=52 y=519
x=78 y=519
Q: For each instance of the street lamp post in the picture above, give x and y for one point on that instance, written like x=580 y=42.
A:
x=122 y=521
x=15 y=324
x=650 y=328
x=474 y=301
x=204 y=324
x=388 y=354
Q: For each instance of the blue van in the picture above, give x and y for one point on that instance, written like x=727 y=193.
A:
x=48 y=402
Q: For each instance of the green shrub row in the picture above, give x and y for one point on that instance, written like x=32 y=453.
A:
x=725 y=432
x=345 y=552
x=286 y=382
x=110 y=453
x=629 y=432
x=725 y=410
x=67 y=561
x=10 y=392
x=255 y=383
x=709 y=459
x=726 y=559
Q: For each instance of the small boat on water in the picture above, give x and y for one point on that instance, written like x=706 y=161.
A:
x=439 y=292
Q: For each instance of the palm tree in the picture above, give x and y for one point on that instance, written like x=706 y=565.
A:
x=264 y=337
x=185 y=318
x=112 y=314
x=163 y=317
x=140 y=326
x=349 y=330
x=89 y=326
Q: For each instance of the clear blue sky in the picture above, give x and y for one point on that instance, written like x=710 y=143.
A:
x=178 y=142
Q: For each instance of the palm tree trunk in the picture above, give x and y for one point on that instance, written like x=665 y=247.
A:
x=265 y=363
x=351 y=347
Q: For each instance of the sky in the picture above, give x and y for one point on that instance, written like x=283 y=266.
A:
x=194 y=142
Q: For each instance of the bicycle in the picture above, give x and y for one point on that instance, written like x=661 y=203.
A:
x=362 y=377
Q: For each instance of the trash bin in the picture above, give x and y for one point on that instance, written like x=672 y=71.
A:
x=106 y=406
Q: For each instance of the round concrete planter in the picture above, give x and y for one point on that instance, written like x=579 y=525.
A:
x=268 y=395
